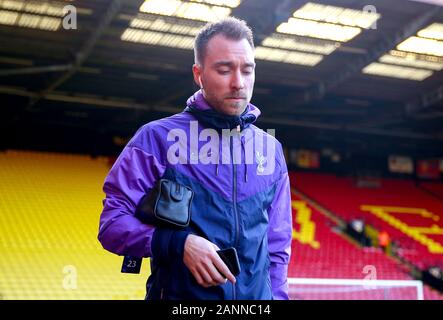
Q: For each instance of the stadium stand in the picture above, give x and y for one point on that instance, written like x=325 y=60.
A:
x=328 y=255
x=49 y=210
x=341 y=198
x=434 y=188
x=49 y=213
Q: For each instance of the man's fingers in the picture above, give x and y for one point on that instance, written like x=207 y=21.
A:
x=206 y=282
x=215 y=274
x=207 y=275
x=224 y=270
x=197 y=277
x=201 y=258
x=207 y=278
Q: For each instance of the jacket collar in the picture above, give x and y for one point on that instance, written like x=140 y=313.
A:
x=200 y=108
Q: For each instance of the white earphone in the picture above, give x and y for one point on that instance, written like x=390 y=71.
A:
x=201 y=83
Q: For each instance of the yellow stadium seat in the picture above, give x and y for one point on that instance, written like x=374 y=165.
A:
x=49 y=216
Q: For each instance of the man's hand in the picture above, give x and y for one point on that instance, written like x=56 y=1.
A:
x=201 y=258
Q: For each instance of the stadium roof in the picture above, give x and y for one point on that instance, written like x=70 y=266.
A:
x=328 y=72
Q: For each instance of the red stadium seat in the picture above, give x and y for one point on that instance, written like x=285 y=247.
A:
x=337 y=257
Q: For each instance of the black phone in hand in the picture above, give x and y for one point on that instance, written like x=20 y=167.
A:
x=230 y=258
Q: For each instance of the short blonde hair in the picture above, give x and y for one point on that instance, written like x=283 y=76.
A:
x=232 y=28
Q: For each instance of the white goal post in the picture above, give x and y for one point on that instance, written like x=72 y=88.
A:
x=331 y=286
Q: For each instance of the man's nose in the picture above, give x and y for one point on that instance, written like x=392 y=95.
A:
x=237 y=81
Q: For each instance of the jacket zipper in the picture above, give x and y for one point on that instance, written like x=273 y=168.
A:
x=235 y=205
x=268 y=277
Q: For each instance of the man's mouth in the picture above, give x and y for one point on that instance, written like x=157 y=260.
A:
x=236 y=98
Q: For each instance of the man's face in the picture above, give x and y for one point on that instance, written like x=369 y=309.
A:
x=227 y=75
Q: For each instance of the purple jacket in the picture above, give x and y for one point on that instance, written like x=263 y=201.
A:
x=242 y=200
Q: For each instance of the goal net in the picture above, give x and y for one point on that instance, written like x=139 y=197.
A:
x=354 y=289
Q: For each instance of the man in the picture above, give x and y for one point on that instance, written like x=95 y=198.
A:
x=238 y=174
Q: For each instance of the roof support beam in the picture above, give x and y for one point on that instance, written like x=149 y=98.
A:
x=35 y=70
x=112 y=102
x=425 y=101
x=377 y=51
x=263 y=16
x=81 y=56
x=410 y=111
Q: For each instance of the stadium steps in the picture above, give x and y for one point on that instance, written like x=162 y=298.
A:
x=432 y=188
x=49 y=216
x=339 y=219
x=334 y=257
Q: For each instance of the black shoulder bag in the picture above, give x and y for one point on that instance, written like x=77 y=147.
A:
x=167 y=205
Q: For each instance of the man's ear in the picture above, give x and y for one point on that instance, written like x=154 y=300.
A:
x=196 y=70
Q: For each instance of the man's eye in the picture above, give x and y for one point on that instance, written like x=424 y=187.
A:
x=223 y=71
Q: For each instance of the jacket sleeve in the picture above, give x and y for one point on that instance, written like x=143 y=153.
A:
x=280 y=236
x=132 y=175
